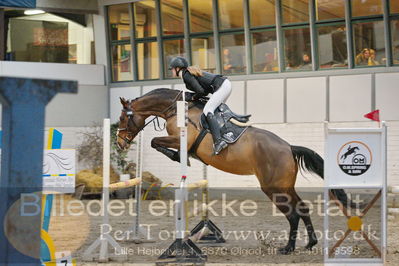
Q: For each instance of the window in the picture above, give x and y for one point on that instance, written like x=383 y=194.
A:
x=121 y=63
x=203 y=53
x=394 y=6
x=369 y=43
x=233 y=54
x=295 y=11
x=332 y=46
x=120 y=29
x=171 y=49
x=200 y=15
x=366 y=7
x=395 y=41
x=139 y=29
x=231 y=14
x=48 y=38
x=119 y=22
x=264 y=51
x=172 y=17
x=297 y=49
x=144 y=19
x=262 y=12
x=327 y=9
x=147 y=60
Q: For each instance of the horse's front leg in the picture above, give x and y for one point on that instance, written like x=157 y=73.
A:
x=165 y=145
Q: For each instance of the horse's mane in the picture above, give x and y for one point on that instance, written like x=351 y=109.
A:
x=163 y=92
x=167 y=93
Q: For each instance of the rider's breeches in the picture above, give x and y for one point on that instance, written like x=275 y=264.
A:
x=220 y=96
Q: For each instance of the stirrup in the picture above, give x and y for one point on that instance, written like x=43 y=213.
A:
x=218 y=147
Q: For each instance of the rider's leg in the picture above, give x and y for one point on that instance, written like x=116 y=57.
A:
x=216 y=99
x=220 y=96
x=218 y=143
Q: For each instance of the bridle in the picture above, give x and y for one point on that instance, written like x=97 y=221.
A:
x=129 y=113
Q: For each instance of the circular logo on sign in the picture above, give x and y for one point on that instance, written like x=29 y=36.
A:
x=354 y=158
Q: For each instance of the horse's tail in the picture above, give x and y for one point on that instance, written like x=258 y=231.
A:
x=308 y=160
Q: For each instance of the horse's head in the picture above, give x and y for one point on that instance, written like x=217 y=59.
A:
x=130 y=124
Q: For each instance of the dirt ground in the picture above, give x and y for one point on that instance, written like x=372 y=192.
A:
x=253 y=231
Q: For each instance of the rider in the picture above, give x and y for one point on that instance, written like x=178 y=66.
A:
x=203 y=83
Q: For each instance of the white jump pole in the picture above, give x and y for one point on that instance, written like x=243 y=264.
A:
x=181 y=193
x=104 y=239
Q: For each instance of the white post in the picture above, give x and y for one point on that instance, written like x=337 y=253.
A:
x=138 y=231
x=104 y=239
x=106 y=180
x=182 y=250
x=181 y=193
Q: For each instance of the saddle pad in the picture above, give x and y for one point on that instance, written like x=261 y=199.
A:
x=231 y=132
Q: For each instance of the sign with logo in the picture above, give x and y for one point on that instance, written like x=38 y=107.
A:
x=355 y=163
x=355 y=157
x=59 y=171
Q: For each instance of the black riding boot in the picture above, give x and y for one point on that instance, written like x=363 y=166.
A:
x=218 y=143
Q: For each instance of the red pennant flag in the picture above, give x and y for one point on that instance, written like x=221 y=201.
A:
x=374 y=115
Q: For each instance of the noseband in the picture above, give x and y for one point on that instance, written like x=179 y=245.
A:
x=129 y=114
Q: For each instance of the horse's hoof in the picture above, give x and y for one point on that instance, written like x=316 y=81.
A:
x=311 y=244
x=286 y=250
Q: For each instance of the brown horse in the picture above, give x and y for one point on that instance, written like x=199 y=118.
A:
x=258 y=152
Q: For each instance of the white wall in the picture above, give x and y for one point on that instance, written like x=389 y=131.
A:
x=306 y=99
x=265 y=100
x=84 y=74
x=350 y=97
x=90 y=105
x=387 y=95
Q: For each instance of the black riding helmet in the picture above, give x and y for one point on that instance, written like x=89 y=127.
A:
x=179 y=62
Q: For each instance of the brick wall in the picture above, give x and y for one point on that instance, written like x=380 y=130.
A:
x=310 y=135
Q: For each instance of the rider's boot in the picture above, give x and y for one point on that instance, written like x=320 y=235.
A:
x=218 y=143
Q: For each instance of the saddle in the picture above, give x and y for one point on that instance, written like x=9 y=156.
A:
x=230 y=131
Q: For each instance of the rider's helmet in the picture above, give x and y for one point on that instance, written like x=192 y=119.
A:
x=179 y=62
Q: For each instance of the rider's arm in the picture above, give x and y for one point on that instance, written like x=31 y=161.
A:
x=192 y=83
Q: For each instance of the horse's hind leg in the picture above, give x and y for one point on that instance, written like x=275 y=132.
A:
x=303 y=211
x=285 y=202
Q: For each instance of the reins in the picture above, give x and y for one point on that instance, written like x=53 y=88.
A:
x=129 y=113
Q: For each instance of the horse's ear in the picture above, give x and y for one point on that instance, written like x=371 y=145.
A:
x=123 y=101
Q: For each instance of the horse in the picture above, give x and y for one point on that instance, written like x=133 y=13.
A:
x=349 y=152
x=258 y=152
